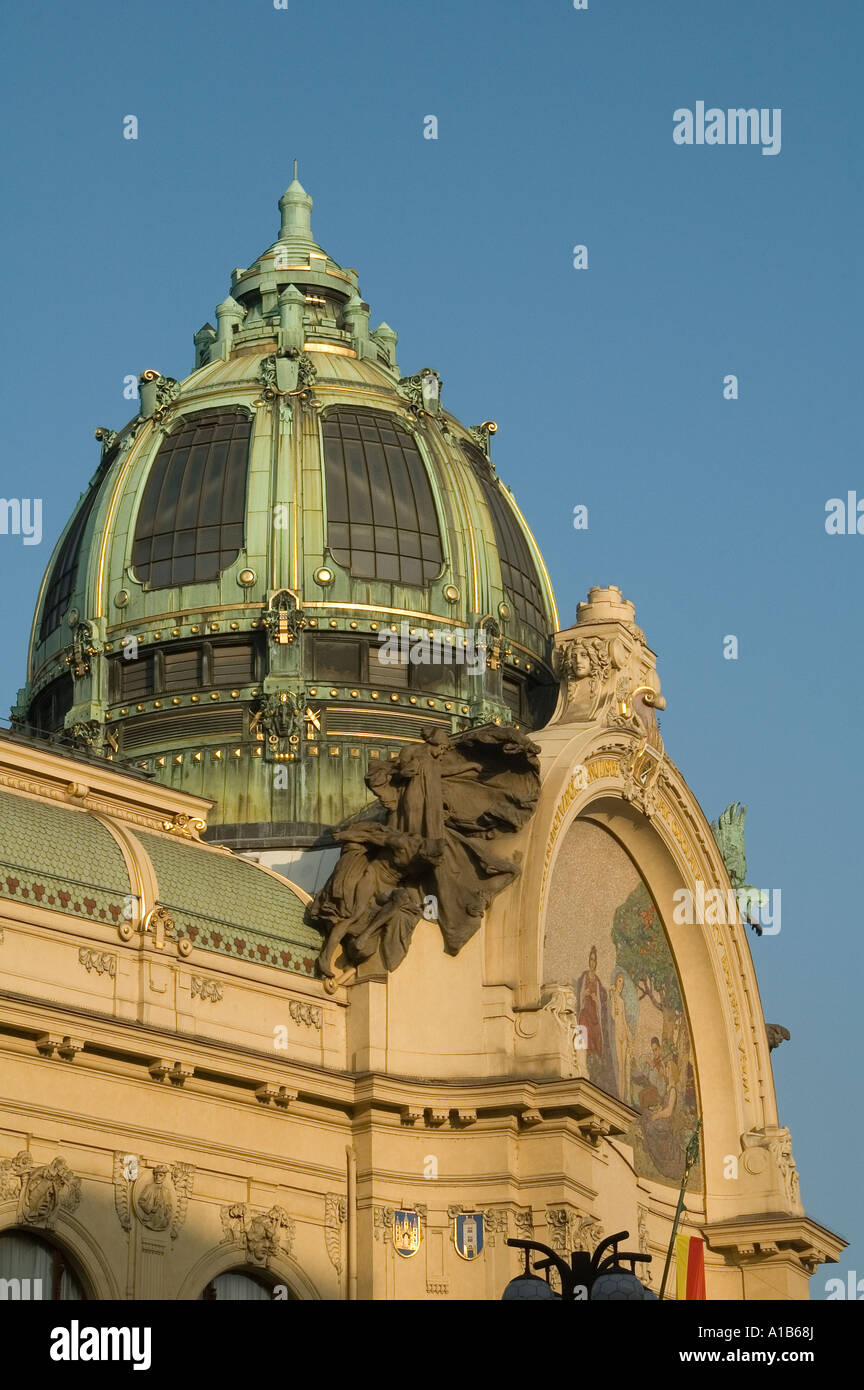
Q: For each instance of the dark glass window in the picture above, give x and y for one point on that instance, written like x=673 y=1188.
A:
x=183 y=670
x=49 y=707
x=513 y=697
x=65 y=571
x=136 y=677
x=518 y=570
x=337 y=661
x=381 y=519
x=541 y=698
x=233 y=664
x=492 y=687
x=441 y=676
x=190 y=521
x=189 y=668
x=437 y=675
x=390 y=675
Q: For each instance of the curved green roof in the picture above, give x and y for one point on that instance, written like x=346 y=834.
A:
x=227 y=904
x=64 y=859
x=60 y=858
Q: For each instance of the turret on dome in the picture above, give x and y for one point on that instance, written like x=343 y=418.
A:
x=295 y=206
x=295 y=293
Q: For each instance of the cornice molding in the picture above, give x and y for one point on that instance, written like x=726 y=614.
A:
x=775 y=1235
x=58 y=778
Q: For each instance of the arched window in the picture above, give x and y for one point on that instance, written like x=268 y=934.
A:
x=65 y=571
x=51 y=704
x=30 y=1268
x=381 y=519
x=518 y=570
x=243 y=1286
x=190 y=523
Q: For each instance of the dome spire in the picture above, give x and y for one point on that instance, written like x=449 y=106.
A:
x=296 y=207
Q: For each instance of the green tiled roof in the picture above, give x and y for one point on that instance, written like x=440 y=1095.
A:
x=226 y=904
x=65 y=860
x=60 y=858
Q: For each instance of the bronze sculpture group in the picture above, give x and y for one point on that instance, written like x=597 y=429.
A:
x=429 y=843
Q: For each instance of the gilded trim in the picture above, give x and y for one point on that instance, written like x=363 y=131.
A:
x=380 y=608
x=112 y=507
x=49 y=567
x=466 y=510
x=335 y=348
x=538 y=557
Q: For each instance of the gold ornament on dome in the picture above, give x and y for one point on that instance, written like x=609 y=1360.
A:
x=182 y=824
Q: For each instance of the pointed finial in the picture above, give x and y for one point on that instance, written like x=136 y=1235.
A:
x=295 y=206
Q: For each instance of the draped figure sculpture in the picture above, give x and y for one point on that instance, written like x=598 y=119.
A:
x=442 y=805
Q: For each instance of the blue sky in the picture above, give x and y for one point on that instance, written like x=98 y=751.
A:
x=555 y=129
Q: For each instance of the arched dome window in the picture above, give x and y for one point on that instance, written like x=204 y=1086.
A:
x=33 y=1269
x=518 y=570
x=65 y=571
x=51 y=704
x=191 y=517
x=243 y=1286
x=381 y=518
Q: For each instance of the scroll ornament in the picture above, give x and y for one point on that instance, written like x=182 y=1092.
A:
x=335 y=1215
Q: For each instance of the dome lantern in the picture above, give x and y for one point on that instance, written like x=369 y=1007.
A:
x=295 y=206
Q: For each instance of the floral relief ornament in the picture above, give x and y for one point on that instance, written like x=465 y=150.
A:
x=335 y=1214
x=571 y=1230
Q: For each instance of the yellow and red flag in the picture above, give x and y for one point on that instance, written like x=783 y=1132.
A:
x=690 y=1262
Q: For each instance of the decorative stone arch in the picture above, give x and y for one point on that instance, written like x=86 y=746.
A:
x=223 y=1259
x=601 y=775
x=89 y=1262
x=143 y=886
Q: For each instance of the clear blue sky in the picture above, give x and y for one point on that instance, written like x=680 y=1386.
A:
x=555 y=128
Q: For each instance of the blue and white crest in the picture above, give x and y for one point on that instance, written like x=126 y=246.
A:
x=468 y=1234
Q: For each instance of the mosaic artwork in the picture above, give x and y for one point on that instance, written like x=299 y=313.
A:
x=605 y=940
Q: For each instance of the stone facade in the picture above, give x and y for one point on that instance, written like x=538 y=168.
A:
x=173 y=1111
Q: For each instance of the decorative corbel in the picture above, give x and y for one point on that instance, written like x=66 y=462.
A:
x=60 y=1045
x=164 y=1069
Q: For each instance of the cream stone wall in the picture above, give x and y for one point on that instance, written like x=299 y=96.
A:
x=449 y=1085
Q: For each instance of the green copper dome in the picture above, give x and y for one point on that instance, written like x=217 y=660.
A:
x=215 y=610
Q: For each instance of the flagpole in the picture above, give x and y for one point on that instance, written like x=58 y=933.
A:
x=691 y=1154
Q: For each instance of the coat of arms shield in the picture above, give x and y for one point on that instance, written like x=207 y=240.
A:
x=406 y=1233
x=468 y=1234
